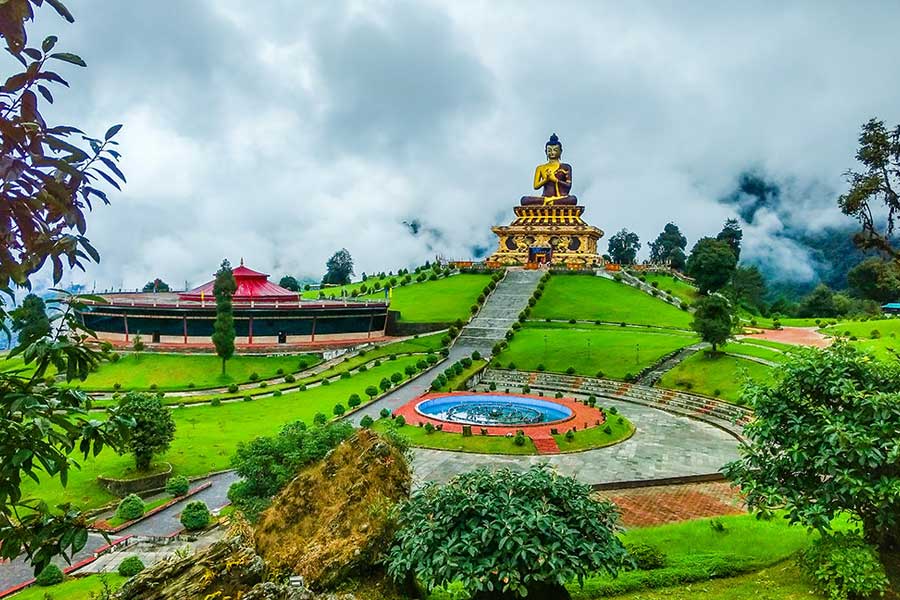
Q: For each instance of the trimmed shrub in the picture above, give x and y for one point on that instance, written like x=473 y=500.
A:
x=558 y=395
x=384 y=413
x=476 y=355
x=302 y=365
x=843 y=566
x=519 y=440
x=607 y=430
x=492 y=387
x=467 y=431
x=570 y=435
x=338 y=410
x=466 y=362
x=345 y=375
x=429 y=428
x=400 y=421
x=570 y=371
x=254 y=376
x=363 y=368
x=541 y=367
x=178 y=485
x=431 y=359
x=646 y=557
x=131 y=507
x=320 y=419
x=130 y=567
x=49 y=575
x=613 y=410
x=326 y=381
x=195 y=515
x=354 y=401
x=511 y=366
x=216 y=402
x=264 y=384
x=366 y=422
x=248 y=398
x=526 y=388
x=279 y=371
x=233 y=388
x=396 y=377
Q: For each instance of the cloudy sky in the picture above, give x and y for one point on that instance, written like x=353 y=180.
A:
x=280 y=130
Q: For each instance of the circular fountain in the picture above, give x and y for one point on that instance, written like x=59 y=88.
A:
x=499 y=410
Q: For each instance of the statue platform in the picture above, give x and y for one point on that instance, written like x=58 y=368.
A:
x=548 y=234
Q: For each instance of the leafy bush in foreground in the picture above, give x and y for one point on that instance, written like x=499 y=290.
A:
x=843 y=566
x=267 y=464
x=530 y=533
x=195 y=515
x=178 y=485
x=130 y=567
x=49 y=575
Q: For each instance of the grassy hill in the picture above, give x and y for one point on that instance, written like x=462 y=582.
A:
x=441 y=301
x=592 y=298
x=615 y=351
x=718 y=375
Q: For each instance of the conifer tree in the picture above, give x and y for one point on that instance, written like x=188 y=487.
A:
x=223 y=329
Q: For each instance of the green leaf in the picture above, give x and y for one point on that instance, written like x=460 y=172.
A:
x=69 y=57
x=112 y=131
x=61 y=10
x=49 y=42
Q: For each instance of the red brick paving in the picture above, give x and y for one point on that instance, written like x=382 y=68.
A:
x=582 y=417
x=798 y=336
x=647 y=506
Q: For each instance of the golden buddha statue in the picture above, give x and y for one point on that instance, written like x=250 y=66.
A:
x=554 y=178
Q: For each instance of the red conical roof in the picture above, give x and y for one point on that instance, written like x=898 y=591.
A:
x=251 y=285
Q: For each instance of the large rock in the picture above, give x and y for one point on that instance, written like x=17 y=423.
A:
x=331 y=522
x=230 y=568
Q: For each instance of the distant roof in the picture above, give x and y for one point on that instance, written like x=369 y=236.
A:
x=251 y=285
x=891 y=305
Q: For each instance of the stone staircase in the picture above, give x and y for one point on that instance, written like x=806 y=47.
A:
x=500 y=310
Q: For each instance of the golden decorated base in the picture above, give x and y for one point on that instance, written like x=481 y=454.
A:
x=551 y=234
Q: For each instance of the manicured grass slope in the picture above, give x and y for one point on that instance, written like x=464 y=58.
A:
x=596 y=437
x=705 y=374
x=592 y=298
x=483 y=444
x=441 y=301
x=76 y=588
x=207 y=436
x=176 y=371
x=746 y=544
x=680 y=289
x=616 y=351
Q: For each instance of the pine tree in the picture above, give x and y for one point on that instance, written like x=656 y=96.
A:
x=223 y=329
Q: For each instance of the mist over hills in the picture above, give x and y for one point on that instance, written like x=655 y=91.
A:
x=794 y=233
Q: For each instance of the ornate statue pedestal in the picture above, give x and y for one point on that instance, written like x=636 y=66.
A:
x=548 y=234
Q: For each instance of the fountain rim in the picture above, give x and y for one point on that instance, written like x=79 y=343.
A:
x=435 y=395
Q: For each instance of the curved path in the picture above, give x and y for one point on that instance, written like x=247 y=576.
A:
x=664 y=445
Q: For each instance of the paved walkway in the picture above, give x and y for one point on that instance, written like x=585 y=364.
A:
x=664 y=445
x=163 y=523
x=648 y=506
x=797 y=336
x=656 y=373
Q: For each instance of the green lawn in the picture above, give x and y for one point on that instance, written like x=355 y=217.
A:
x=207 y=436
x=482 y=444
x=177 y=371
x=591 y=298
x=692 y=547
x=337 y=290
x=720 y=375
x=614 y=351
x=441 y=301
x=596 y=437
x=782 y=581
x=884 y=345
x=738 y=347
x=678 y=288
x=76 y=588
x=768 y=344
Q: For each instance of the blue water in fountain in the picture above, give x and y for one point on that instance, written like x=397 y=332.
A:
x=493 y=409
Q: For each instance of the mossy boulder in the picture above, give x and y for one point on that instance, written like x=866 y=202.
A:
x=330 y=523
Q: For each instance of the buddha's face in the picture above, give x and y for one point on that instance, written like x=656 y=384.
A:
x=554 y=151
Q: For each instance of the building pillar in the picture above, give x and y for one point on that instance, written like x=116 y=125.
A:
x=312 y=337
x=371 y=322
x=184 y=327
x=125 y=317
x=250 y=332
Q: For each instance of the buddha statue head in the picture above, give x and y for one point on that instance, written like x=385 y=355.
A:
x=553 y=148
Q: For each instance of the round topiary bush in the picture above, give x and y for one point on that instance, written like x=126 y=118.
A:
x=178 y=485
x=254 y=376
x=366 y=421
x=49 y=575
x=289 y=378
x=572 y=532
x=195 y=516
x=131 y=507
x=384 y=413
x=233 y=388
x=130 y=567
